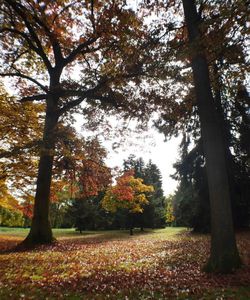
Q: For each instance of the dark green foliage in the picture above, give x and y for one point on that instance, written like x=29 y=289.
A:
x=191 y=201
x=58 y=214
x=87 y=214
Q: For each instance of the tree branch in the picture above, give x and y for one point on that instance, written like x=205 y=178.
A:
x=18 y=74
x=53 y=39
x=34 y=98
x=19 y=9
x=79 y=50
x=22 y=34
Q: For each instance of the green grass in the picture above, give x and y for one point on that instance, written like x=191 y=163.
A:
x=170 y=232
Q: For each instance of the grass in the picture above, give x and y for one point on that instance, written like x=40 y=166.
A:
x=155 y=264
x=63 y=233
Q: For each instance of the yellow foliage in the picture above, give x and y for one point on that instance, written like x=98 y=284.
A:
x=6 y=199
x=170 y=210
x=129 y=193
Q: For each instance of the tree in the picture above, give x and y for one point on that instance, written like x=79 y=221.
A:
x=10 y=209
x=88 y=214
x=153 y=215
x=78 y=161
x=191 y=200
x=43 y=42
x=129 y=193
x=224 y=255
x=153 y=177
x=223 y=25
x=80 y=178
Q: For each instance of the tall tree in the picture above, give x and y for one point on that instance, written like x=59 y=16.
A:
x=223 y=24
x=43 y=43
x=224 y=255
x=191 y=200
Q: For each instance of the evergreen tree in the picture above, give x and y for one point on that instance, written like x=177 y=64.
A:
x=87 y=214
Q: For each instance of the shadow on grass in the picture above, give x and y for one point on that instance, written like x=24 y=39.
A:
x=11 y=241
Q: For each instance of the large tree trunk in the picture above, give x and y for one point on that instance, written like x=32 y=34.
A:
x=40 y=231
x=224 y=255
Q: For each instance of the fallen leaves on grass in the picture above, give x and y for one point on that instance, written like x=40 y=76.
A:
x=171 y=267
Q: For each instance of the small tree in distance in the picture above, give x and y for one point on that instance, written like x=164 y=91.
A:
x=129 y=193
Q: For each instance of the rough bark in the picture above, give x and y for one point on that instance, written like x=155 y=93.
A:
x=130 y=216
x=40 y=231
x=224 y=255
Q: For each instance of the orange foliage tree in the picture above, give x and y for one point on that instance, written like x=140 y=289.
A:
x=128 y=193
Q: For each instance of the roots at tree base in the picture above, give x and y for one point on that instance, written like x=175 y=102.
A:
x=40 y=233
x=226 y=263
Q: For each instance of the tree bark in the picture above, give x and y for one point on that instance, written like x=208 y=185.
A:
x=40 y=231
x=131 y=223
x=224 y=255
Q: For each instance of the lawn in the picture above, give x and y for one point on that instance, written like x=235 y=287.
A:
x=156 y=264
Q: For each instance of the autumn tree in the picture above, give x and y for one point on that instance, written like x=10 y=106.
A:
x=170 y=217
x=129 y=193
x=80 y=175
x=44 y=43
x=79 y=169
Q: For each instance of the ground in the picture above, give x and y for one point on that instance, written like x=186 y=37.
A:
x=156 y=264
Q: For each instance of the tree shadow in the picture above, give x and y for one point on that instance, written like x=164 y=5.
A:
x=15 y=245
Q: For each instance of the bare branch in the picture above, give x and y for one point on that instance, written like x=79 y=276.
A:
x=18 y=74
x=20 y=11
x=34 y=98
